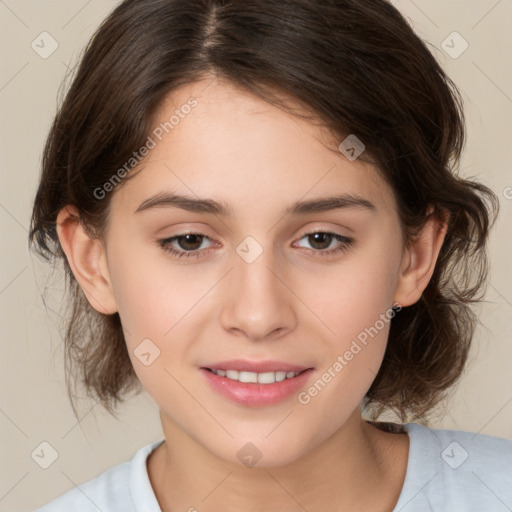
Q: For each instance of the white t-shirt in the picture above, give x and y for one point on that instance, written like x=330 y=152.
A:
x=447 y=471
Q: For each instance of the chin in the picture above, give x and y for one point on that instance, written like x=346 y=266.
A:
x=260 y=452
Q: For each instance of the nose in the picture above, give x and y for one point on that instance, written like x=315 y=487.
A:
x=260 y=303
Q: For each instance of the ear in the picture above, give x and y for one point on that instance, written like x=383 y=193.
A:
x=419 y=260
x=87 y=259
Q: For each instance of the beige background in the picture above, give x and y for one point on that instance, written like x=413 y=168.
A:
x=33 y=404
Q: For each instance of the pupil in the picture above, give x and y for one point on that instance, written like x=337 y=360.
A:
x=193 y=246
x=316 y=242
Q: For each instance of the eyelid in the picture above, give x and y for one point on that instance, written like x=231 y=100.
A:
x=310 y=231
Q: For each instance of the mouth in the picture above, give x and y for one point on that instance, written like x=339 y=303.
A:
x=256 y=384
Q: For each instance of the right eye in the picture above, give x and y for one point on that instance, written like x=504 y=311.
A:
x=186 y=239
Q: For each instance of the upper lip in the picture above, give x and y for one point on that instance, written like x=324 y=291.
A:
x=245 y=365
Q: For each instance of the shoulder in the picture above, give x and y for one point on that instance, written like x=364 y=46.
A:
x=124 y=487
x=99 y=493
x=456 y=470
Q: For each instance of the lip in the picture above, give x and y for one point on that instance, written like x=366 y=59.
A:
x=255 y=394
x=244 y=365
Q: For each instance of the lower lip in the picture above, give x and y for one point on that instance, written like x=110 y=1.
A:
x=252 y=394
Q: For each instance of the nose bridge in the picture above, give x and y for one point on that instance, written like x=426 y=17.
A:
x=259 y=302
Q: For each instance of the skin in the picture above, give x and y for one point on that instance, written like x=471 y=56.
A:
x=290 y=304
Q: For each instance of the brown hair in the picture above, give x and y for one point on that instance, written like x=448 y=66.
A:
x=359 y=67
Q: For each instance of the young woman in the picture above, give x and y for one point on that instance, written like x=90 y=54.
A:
x=256 y=205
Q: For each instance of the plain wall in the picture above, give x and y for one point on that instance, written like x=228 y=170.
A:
x=34 y=407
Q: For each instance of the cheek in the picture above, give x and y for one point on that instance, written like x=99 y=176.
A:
x=356 y=304
x=352 y=296
x=351 y=358
x=152 y=293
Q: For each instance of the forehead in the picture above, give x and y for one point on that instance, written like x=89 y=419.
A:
x=234 y=146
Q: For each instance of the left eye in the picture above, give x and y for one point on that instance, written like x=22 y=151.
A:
x=191 y=243
x=319 y=238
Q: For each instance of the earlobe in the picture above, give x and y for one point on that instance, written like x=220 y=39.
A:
x=87 y=260
x=419 y=261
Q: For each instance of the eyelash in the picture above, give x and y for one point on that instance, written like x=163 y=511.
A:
x=165 y=243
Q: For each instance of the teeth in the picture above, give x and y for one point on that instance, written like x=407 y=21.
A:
x=280 y=376
x=232 y=374
x=261 y=378
x=248 y=377
x=267 y=378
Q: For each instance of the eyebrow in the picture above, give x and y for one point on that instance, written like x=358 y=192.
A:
x=220 y=208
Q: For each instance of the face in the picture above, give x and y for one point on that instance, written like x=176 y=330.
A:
x=254 y=283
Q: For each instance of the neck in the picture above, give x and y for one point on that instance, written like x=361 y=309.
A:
x=358 y=468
